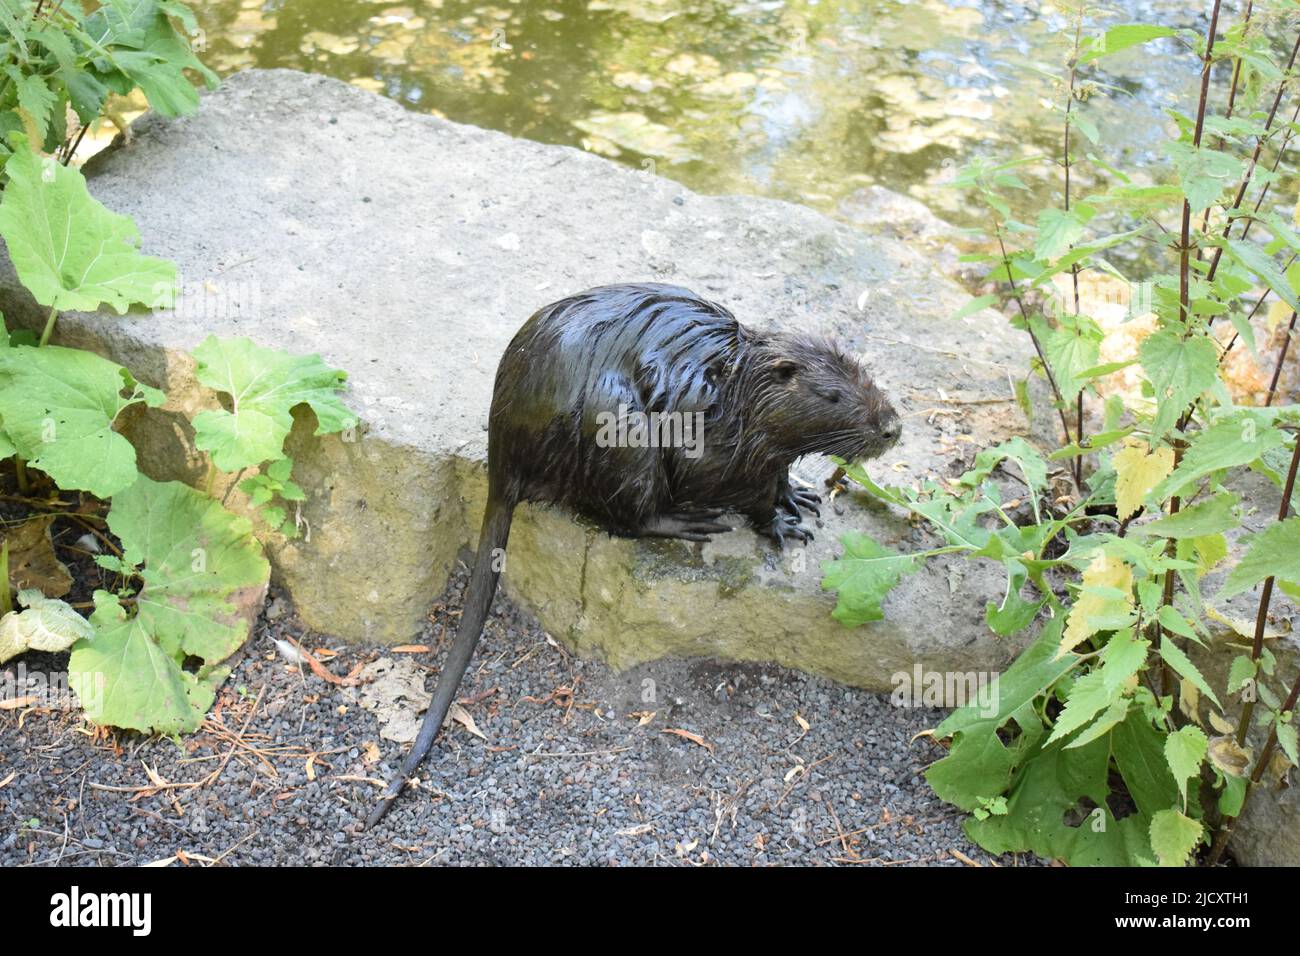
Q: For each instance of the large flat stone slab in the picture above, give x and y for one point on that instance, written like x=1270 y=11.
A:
x=315 y=217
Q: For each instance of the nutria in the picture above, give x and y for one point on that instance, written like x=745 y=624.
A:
x=744 y=404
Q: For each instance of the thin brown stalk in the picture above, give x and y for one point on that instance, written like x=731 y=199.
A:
x=1266 y=595
x=1038 y=347
x=1074 y=269
x=1281 y=360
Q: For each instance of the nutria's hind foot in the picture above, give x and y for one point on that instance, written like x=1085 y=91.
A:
x=798 y=500
x=687 y=525
x=783 y=526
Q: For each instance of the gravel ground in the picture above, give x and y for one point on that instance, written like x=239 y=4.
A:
x=573 y=770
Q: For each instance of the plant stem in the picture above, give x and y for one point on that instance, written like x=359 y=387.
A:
x=6 y=596
x=20 y=474
x=1266 y=595
x=74 y=146
x=1074 y=269
x=49 y=326
x=1184 y=284
x=1038 y=346
x=1281 y=359
x=1232 y=101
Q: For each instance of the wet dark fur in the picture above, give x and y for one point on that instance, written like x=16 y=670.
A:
x=767 y=399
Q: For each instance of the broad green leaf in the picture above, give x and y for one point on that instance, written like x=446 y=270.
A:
x=1233 y=796
x=1174 y=622
x=149 y=53
x=1137 y=471
x=1088 y=697
x=203 y=575
x=200 y=565
x=1179 y=370
x=1174 y=837
x=1185 y=750
x=1014 y=613
x=1286 y=737
x=1123 y=37
x=1274 y=552
x=1253 y=257
x=1071 y=350
x=1091 y=443
x=1173 y=655
x=58 y=406
x=1058 y=230
x=1241 y=671
x=124 y=678
x=1210 y=517
x=1030 y=462
x=1115 y=714
x=264 y=386
x=862 y=576
x=1139 y=754
x=1204 y=173
x=69 y=251
x=35 y=97
x=1047 y=790
x=1234 y=441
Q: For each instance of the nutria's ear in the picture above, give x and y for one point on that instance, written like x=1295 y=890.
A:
x=783 y=369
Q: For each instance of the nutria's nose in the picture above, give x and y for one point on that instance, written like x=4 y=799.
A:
x=892 y=430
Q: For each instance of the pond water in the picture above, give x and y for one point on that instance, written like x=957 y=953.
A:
x=805 y=100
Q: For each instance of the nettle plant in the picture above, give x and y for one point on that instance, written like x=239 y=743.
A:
x=187 y=571
x=1108 y=744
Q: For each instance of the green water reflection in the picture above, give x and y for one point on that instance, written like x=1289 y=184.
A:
x=796 y=99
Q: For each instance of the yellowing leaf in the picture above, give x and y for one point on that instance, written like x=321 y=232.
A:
x=1092 y=608
x=1137 y=471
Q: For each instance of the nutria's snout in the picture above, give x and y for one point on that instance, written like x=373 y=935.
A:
x=883 y=432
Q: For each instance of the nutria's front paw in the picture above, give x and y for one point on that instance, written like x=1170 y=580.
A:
x=783 y=526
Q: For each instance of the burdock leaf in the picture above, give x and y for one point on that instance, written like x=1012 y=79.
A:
x=69 y=251
x=59 y=405
x=264 y=386
x=204 y=575
x=47 y=624
x=862 y=576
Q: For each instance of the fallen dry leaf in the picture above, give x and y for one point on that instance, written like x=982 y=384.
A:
x=687 y=735
x=462 y=717
x=410 y=649
x=803 y=724
x=370 y=752
x=16 y=702
x=32 y=561
x=323 y=672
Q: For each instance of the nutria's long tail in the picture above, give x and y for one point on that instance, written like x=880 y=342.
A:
x=478 y=599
